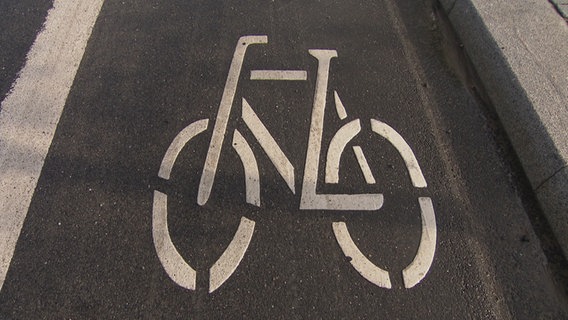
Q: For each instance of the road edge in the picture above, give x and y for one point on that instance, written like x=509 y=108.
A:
x=520 y=53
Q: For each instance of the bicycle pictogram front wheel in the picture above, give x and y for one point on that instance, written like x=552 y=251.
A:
x=177 y=268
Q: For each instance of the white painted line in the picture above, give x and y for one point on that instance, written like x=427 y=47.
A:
x=404 y=150
x=339 y=108
x=364 y=165
x=343 y=202
x=336 y=147
x=267 y=142
x=220 y=129
x=30 y=113
x=174 y=264
x=178 y=143
x=282 y=75
x=366 y=268
x=310 y=200
x=226 y=265
x=418 y=268
x=252 y=182
x=316 y=126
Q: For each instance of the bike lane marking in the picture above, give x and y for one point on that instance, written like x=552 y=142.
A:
x=310 y=199
x=338 y=143
x=282 y=75
x=177 y=145
x=339 y=107
x=270 y=146
x=224 y=267
x=418 y=268
x=220 y=128
x=183 y=274
x=404 y=150
x=172 y=261
x=30 y=113
x=252 y=183
x=364 y=165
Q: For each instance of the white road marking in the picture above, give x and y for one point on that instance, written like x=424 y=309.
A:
x=364 y=165
x=252 y=182
x=310 y=200
x=210 y=168
x=283 y=75
x=417 y=270
x=177 y=268
x=226 y=265
x=316 y=127
x=336 y=147
x=267 y=142
x=403 y=148
x=343 y=202
x=339 y=108
x=30 y=113
x=174 y=264
x=366 y=268
x=178 y=143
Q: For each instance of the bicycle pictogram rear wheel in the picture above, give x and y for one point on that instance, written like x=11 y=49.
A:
x=418 y=268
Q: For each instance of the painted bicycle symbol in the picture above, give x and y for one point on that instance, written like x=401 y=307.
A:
x=185 y=276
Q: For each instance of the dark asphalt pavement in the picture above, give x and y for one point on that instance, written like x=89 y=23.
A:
x=151 y=68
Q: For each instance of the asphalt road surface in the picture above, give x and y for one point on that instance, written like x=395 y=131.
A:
x=269 y=160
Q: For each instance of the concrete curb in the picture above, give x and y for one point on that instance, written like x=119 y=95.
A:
x=561 y=7
x=520 y=51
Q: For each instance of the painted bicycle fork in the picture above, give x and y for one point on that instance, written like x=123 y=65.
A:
x=184 y=275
